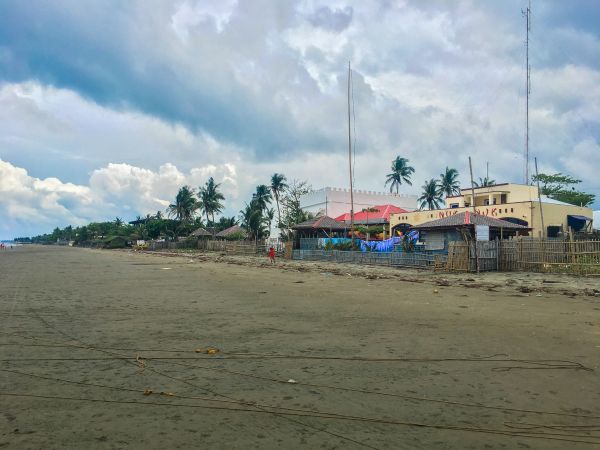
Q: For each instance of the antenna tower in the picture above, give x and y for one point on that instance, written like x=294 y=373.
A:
x=527 y=15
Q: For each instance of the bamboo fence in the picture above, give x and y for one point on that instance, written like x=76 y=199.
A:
x=526 y=254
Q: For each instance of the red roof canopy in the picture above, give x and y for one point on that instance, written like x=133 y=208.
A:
x=380 y=213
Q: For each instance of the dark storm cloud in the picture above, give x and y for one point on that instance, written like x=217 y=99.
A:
x=105 y=52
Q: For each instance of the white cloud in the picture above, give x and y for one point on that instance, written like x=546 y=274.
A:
x=30 y=205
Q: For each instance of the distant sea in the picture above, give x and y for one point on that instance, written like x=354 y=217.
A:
x=9 y=243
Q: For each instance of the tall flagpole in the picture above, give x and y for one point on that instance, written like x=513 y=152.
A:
x=350 y=161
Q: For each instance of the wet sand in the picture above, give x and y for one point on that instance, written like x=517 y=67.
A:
x=86 y=332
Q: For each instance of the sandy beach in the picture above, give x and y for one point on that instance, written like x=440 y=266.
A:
x=115 y=349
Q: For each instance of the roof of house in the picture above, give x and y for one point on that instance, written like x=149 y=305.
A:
x=198 y=232
x=375 y=214
x=546 y=199
x=231 y=230
x=320 y=223
x=469 y=218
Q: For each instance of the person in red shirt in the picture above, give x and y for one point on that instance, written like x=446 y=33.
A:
x=272 y=255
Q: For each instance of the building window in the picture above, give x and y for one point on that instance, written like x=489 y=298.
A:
x=453 y=205
x=486 y=202
x=512 y=210
x=502 y=198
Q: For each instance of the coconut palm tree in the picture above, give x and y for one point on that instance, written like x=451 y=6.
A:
x=431 y=196
x=185 y=205
x=262 y=197
x=449 y=184
x=484 y=182
x=252 y=219
x=401 y=172
x=210 y=198
x=278 y=186
x=268 y=217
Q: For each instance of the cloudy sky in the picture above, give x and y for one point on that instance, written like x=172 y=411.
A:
x=108 y=107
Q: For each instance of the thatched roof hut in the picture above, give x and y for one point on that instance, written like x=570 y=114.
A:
x=323 y=226
x=230 y=232
x=200 y=232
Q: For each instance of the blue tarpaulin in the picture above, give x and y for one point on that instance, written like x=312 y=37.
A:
x=374 y=246
x=577 y=223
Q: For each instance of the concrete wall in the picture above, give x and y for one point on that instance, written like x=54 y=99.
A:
x=336 y=201
x=514 y=192
x=527 y=211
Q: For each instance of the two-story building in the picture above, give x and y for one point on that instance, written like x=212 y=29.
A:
x=516 y=203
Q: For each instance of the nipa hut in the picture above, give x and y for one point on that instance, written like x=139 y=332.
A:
x=320 y=227
x=232 y=232
x=436 y=234
x=200 y=233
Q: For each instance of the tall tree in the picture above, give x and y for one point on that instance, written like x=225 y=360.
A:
x=401 y=172
x=185 y=205
x=210 y=198
x=268 y=217
x=449 y=184
x=278 y=186
x=431 y=196
x=562 y=187
x=292 y=213
x=262 y=197
x=252 y=219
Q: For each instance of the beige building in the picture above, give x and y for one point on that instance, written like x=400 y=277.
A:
x=516 y=203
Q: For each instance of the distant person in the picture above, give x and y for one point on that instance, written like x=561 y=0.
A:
x=272 y=255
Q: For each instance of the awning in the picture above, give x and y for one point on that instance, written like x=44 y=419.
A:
x=577 y=223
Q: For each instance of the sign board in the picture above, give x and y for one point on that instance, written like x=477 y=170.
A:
x=482 y=232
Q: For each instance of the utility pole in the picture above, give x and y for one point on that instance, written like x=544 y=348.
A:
x=350 y=161
x=540 y=199
x=527 y=14
x=474 y=226
x=472 y=186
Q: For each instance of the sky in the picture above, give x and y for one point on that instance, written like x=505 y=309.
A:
x=108 y=107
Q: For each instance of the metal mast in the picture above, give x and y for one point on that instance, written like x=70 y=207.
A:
x=527 y=14
x=350 y=161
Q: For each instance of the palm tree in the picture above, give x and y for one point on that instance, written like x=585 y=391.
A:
x=185 y=205
x=262 y=197
x=118 y=222
x=449 y=184
x=252 y=219
x=431 y=196
x=269 y=216
x=211 y=199
x=484 y=182
x=278 y=186
x=401 y=171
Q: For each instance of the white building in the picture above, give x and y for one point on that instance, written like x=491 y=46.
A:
x=334 y=202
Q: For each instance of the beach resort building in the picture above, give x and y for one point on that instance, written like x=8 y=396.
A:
x=333 y=202
x=515 y=203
